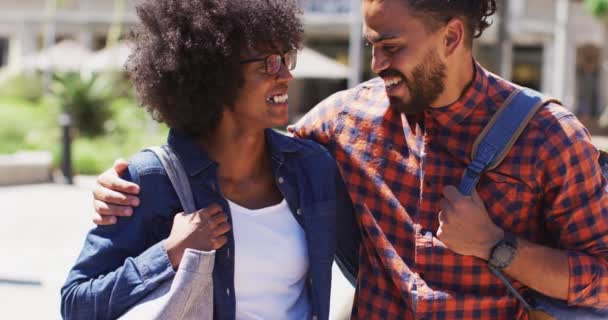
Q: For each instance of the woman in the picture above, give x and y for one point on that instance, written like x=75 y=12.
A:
x=217 y=72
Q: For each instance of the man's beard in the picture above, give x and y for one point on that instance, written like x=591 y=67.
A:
x=425 y=86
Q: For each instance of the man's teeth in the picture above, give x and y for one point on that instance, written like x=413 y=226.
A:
x=279 y=99
x=391 y=82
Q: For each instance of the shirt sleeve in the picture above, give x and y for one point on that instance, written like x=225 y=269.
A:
x=118 y=264
x=319 y=124
x=577 y=209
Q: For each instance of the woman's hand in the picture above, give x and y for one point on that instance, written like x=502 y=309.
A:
x=203 y=230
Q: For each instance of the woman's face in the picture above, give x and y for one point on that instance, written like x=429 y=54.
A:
x=262 y=101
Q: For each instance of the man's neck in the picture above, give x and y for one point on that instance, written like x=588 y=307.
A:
x=458 y=78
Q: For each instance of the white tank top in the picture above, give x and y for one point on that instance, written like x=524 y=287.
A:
x=271 y=263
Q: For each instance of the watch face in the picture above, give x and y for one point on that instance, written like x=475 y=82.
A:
x=502 y=256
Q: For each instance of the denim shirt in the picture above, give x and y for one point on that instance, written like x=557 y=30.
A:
x=122 y=263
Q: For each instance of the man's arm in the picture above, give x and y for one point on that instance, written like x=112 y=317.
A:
x=575 y=208
x=319 y=124
x=115 y=197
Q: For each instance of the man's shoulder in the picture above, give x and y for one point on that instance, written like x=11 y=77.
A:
x=369 y=96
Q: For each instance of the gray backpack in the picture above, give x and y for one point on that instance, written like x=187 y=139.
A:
x=189 y=295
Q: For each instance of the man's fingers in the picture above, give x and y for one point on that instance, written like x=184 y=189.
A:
x=111 y=180
x=104 y=194
x=120 y=165
x=106 y=209
x=219 y=242
x=445 y=208
x=452 y=194
x=103 y=220
x=476 y=198
x=443 y=218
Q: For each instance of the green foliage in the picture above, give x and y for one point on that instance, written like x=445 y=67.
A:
x=27 y=126
x=22 y=85
x=86 y=99
x=599 y=8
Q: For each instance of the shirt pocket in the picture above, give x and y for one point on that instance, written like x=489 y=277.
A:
x=511 y=203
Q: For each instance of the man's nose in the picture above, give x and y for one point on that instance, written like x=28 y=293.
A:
x=380 y=61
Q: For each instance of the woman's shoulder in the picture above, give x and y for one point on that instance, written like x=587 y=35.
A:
x=145 y=168
x=301 y=148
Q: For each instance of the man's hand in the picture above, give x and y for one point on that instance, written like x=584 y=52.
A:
x=113 y=196
x=465 y=226
x=203 y=230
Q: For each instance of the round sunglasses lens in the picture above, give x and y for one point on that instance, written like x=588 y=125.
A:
x=291 y=58
x=273 y=64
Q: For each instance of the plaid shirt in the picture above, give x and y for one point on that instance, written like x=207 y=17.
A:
x=548 y=190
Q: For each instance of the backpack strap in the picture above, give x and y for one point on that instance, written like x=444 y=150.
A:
x=492 y=145
x=499 y=135
x=177 y=175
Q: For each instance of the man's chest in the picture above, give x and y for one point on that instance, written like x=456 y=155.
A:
x=396 y=173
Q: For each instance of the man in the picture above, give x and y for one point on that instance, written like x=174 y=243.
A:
x=403 y=141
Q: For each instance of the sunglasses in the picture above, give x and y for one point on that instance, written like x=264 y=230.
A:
x=273 y=62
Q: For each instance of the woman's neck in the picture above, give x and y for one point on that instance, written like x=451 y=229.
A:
x=240 y=153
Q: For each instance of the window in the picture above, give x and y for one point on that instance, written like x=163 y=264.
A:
x=527 y=66
x=3 y=51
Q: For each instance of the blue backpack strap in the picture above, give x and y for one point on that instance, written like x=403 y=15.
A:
x=493 y=144
x=499 y=135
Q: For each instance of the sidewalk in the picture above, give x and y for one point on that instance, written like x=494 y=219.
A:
x=42 y=231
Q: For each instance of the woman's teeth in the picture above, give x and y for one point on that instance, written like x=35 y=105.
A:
x=278 y=99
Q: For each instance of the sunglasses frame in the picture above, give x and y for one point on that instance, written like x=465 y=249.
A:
x=294 y=53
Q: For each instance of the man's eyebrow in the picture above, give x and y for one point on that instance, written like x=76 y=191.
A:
x=380 y=38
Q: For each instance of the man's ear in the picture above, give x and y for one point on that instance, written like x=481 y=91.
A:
x=453 y=37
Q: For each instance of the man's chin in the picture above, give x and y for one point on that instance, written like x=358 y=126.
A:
x=401 y=106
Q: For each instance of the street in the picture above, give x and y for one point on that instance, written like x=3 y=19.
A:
x=41 y=233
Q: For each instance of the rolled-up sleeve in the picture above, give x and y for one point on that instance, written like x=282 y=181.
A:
x=576 y=209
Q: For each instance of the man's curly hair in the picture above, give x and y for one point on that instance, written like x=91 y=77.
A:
x=475 y=14
x=186 y=62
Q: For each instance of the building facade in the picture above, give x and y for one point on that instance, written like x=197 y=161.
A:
x=555 y=46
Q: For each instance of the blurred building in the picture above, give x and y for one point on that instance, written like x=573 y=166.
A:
x=555 y=46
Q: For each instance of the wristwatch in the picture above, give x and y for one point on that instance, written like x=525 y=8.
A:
x=504 y=251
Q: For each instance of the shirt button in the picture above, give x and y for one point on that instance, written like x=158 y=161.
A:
x=228 y=291
x=228 y=253
x=314 y=318
x=281 y=180
x=299 y=211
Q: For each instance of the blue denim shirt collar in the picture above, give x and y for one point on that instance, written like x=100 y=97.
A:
x=195 y=160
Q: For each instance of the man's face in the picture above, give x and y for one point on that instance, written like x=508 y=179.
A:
x=404 y=54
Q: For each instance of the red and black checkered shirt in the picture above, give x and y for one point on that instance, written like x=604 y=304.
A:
x=548 y=190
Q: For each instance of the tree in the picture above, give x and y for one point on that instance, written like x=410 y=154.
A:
x=599 y=8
